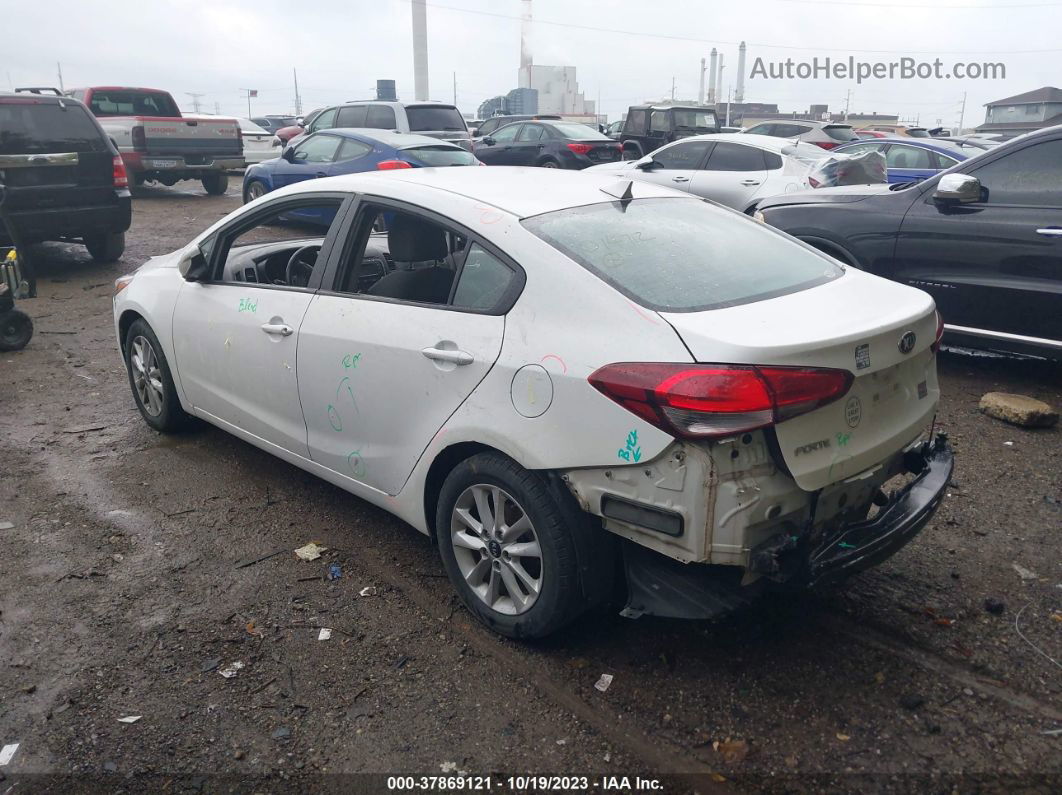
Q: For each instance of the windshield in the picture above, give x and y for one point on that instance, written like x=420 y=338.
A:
x=694 y=119
x=133 y=103
x=441 y=155
x=580 y=132
x=682 y=255
x=31 y=128
x=435 y=118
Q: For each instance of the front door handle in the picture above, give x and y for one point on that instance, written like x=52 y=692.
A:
x=454 y=357
x=680 y=179
x=1050 y=231
x=278 y=329
x=750 y=182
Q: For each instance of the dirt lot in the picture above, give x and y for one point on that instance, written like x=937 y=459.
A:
x=129 y=581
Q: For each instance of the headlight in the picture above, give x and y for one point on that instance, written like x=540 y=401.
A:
x=759 y=217
x=122 y=282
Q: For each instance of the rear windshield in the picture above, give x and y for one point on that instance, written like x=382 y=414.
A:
x=441 y=155
x=579 y=132
x=133 y=103
x=47 y=128
x=694 y=119
x=682 y=255
x=840 y=132
x=432 y=118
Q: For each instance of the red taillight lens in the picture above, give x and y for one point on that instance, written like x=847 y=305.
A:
x=580 y=149
x=391 y=165
x=826 y=144
x=706 y=400
x=121 y=176
x=940 y=334
x=139 y=139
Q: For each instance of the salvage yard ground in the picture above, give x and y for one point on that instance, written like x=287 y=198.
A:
x=139 y=567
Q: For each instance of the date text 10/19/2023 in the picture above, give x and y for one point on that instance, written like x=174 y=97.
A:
x=527 y=783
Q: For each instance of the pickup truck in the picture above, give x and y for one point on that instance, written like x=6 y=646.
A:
x=158 y=143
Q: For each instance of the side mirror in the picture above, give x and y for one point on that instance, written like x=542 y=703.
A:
x=488 y=141
x=958 y=189
x=193 y=265
x=289 y=154
x=646 y=165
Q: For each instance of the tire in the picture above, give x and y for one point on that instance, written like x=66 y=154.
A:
x=106 y=247
x=254 y=190
x=16 y=330
x=548 y=163
x=143 y=355
x=216 y=183
x=561 y=534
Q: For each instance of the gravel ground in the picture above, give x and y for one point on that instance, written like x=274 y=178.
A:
x=130 y=580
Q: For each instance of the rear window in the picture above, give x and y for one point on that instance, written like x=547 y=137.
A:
x=133 y=103
x=441 y=155
x=682 y=255
x=693 y=119
x=580 y=132
x=46 y=128
x=433 y=118
x=840 y=132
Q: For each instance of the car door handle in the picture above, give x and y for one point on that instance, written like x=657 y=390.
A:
x=454 y=357
x=1050 y=231
x=278 y=329
x=750 y=182
x=680 y=179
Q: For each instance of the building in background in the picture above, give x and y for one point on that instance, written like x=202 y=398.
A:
x=558 y=90
x=746 y=114
x=1023 y=113
x=519 y=100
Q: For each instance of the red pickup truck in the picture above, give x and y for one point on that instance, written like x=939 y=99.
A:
x=158 y=143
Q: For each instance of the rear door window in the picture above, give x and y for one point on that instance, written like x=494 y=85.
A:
x=352 y=116
x=530 y=133
x=660 y=121
x=735 y=157
x=381 y=117
x=636 y=122
x=32 y=127
x=682 y=255
x=352 y=150
x=1030 y=176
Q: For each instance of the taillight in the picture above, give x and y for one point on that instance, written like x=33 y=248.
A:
x=139 y=139
x=580 y=149
x=121 y=176
x=826 y=144
x=706 y=400
x=940 y=334
x=390 y=165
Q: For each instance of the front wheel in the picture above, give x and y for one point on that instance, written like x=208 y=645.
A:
x=255 y=190
x=509 y=548
x=16 y=330
x=106 y=247
x=150 y=379
x=216 y=183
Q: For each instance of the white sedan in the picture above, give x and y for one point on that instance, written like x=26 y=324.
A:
x=734 y=169
x=257 y=143
x=562 y=379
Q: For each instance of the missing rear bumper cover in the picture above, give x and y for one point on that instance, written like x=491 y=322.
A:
x=640 y=515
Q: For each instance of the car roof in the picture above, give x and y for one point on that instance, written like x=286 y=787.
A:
x=769 y=142
x=426 y=103
x=396 y=140
x=674 y=107
x=522 y=192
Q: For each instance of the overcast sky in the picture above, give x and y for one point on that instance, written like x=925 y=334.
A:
x=626 y=51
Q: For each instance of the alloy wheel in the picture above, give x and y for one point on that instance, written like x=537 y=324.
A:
x=255 y=190
x=496 y=549
x=147 y=378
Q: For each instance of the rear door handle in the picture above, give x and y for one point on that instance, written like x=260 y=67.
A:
x=1050 y=231
x=454 y=357
x=680 y=179
x=750 y=182
x=278 y=329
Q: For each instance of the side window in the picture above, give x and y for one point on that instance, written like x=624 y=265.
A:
x=860 y=149
x=278 y=248
x=483 y=282
x=943 y=161
x=901 y=156
x=326 y=120
x=507 y=134
x=686 y=156
x=487 y=127
x=636 y=122
x=530 y=133
x=381 y=117
x=351 y=150
x=734 y=157
x=351 y=116
x=762 y=129
x=1031 y=176
x=317 y=149
x=772 y=160
x=660 y=121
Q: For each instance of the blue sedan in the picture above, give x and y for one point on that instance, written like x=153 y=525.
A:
x=911 y=159
x=347 y=151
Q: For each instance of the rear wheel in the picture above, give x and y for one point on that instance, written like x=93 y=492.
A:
x=16 y=330
x=216 y=183
x=106 y=247
x=509 y=548
x=548 y=163
x=254 y=190
x=150 y=379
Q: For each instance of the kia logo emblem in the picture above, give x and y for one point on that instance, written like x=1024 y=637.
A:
x=907 y=342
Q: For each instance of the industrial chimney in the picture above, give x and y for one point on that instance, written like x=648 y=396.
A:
x=525 y=45
x=719 y=83
x=712 y=76
x=739 y=92
x=420 y=51
x=700 y=93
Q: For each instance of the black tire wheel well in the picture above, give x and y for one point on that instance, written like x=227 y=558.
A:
x=124 y=322
x=834 y=250
x=442 y=466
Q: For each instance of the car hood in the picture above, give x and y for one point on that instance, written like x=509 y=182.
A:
x=842 y=194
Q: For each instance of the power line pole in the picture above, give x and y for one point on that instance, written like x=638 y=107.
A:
x=672 y=88
x=195 y=100
x=847 y=103
x=962 y=112
x=298 y=99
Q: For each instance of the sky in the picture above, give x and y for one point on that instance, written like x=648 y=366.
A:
x=625 y=51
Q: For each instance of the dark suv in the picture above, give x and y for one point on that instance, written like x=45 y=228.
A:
x=649 y=127
x=64 y=178
x=984 y=238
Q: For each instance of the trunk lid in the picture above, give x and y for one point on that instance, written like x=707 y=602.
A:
x=191 y=137
x=894 y=393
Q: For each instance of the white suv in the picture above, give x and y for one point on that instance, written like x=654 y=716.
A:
x=436 y=119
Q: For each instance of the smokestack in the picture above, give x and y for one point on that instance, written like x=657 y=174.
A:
x=712 y=77
x=719 y=85
x=420 y=50
x=525 y=44
x=739 y=92
x=700 y=93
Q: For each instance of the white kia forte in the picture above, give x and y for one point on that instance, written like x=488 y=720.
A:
x=579 y=387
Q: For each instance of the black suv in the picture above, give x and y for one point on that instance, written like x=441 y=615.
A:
x=64 y=178
x=984 y=238
x=649 y=127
